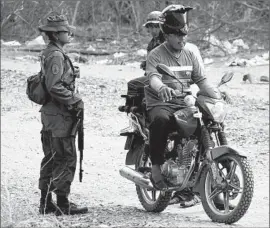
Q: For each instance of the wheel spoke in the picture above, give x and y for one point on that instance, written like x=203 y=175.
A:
x=226 y=201
x=222 y=173
x=230 y=175
x=154 y=195
x=235 y=187
x=214 y=193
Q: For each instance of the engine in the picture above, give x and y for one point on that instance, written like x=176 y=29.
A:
x=185 y=151
x=174 y=171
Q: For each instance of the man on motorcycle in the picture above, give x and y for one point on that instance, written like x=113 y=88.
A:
x=152 y=26
x=160 y=95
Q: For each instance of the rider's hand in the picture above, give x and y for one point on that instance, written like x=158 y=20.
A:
x=166 y=93
x=226 y=97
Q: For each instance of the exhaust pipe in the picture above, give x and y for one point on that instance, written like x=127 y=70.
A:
x=136 y=177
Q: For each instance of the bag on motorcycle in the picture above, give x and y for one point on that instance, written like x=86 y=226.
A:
x=185 y=121
x=136 y=91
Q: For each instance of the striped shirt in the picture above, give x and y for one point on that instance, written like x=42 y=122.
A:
x=188 y=66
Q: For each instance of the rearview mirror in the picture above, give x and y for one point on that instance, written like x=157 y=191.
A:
x=163 y=69
x=226 y=78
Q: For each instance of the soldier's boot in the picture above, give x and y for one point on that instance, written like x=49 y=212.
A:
x=46 y=203
x=64 y=207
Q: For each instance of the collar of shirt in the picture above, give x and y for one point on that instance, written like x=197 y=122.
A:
x=57 y=45
x=174 y=54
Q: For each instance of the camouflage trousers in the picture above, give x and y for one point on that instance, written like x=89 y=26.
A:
x=59 y=163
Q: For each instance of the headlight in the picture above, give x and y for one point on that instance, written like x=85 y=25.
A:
x=217 y=110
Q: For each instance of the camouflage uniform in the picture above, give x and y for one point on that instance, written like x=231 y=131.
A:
x=59 y=163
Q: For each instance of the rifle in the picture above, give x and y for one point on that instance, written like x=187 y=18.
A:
x=78 y=126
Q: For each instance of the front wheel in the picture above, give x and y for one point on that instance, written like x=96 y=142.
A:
x=229 y=203
x=152 y=201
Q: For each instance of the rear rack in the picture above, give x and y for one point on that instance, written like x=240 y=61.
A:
x=128 y=109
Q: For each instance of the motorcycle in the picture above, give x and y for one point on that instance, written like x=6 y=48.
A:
x=197 y=156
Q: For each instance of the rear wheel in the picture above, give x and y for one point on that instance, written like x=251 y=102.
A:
x=152 y=201
x=229 y=203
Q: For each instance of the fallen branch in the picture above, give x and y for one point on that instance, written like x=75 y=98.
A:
x=253 y=7
x=234 y=25
x=75 y=12
x=83 y=52
x=215 y=45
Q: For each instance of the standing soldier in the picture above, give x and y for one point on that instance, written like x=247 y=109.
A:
x=57 y=116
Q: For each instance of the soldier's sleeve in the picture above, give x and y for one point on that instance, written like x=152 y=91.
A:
x=54 y=69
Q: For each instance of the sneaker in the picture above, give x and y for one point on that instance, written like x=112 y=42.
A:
x=185 y=198
x=175 y=200
x=191 y=202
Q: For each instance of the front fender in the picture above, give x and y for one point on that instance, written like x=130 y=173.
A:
x=225 y=149
x=216 y=153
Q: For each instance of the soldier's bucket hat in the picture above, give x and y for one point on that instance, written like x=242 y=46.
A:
x=56 y=23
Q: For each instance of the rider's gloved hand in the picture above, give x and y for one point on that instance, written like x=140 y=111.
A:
x=166 y=93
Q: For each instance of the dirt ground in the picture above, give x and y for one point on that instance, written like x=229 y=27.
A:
x=112 y=199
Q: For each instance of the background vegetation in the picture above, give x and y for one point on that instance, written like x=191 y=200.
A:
x=119 y=19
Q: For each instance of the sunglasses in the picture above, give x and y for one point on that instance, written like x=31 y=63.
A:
x=178 y=34
x=68 y=32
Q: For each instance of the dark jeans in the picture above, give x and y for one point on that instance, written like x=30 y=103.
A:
x=59 y=163
x=161 y=124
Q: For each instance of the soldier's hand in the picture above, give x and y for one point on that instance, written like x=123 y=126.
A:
x=76 y=107
x=79 y=105
x=166 y=93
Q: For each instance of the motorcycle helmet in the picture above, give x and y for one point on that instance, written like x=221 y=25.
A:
x=153 y=18
x=175 y=19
